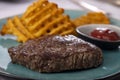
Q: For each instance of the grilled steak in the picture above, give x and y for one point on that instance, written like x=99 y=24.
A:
x=56 y=53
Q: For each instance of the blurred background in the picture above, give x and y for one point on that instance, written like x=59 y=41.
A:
x=14 y=7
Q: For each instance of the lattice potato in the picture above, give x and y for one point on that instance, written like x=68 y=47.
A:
x=41 y=18
x=16 y=27
x=92 y=18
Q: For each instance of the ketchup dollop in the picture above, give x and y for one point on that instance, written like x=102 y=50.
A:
x=105 y=34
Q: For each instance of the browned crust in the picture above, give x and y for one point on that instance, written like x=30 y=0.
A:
x=56 y=53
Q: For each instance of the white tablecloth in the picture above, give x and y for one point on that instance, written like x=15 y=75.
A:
x=13 y=8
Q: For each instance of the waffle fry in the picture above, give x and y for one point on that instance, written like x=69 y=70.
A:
x=41 y=18
x=49 y=19
x=92 y=18
x=15 y=26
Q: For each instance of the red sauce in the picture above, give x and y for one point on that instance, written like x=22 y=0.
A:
x=105 y=34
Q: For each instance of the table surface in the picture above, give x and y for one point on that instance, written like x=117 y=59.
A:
x=14 y=7
x=10 y=8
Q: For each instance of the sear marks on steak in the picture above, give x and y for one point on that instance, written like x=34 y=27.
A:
x=56 y=53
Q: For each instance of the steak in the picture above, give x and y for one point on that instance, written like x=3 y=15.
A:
x=56 y=53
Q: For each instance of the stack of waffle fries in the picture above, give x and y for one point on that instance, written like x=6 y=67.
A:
x=41 y=18
x=45 y=18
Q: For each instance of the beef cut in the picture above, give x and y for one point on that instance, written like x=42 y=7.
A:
x=56 y=53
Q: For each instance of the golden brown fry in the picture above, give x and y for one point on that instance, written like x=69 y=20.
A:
x=47 y=19
x=92 y=18
x=4 y=30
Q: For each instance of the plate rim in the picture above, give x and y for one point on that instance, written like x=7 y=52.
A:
x=104 y=77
